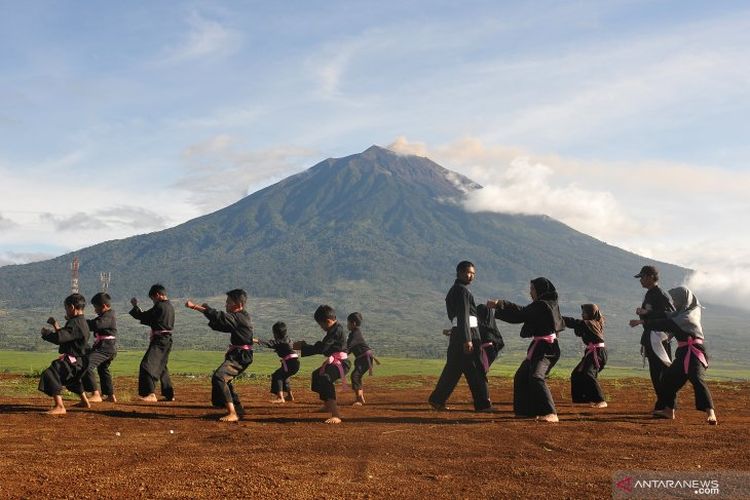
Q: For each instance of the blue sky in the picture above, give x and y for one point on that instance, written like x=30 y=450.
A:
x=628 y=119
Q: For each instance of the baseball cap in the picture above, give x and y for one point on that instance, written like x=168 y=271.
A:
x=647 y=271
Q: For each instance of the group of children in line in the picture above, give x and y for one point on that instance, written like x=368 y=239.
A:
x=475 y=342
x=77 y=364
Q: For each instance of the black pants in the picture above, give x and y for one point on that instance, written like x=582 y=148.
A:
x=154 y=368
x=280 y=378
x=361 y=366
x=584 y=385
x=322 y=383
x=98 y=362
x=222 y=389
x=531 y=394
x=656 y=368
x=62 y=373
x=459 y=363
x=675 y=377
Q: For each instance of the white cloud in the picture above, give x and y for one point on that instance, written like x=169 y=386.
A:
x=205 y=38
x=6 y=223
x=7 y=258
x=219 y=172
x=129 y=217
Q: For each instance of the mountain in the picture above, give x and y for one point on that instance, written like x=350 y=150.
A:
x=378 y=232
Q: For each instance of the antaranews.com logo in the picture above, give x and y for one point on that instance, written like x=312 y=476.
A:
x=681 y=484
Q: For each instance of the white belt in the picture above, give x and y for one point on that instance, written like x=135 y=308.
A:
x=473 y=323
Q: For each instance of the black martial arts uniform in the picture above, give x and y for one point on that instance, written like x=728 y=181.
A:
x=362 y=357
x=101 y=354
x=154 y=363
x=658 y=303
x=323 y=378
x=67 y=370
x=541 y=318
x=674 y=376
x=460 y=306
x=492 y=340
x=289 y=365
x=237 y=358
x=584 y=385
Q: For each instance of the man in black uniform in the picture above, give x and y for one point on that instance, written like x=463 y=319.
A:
x=654 y=345
x=463 y=347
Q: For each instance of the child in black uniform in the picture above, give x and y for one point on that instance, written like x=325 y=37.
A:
x=104 y=350
x=67 y=370
x=154 y=363
x=584 y=386
x=335 y=366
x=236 y=322
x=289 y=363
x=363 y=355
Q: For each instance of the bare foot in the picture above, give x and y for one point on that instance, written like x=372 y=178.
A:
x=151 y=398
x=548 y=418
x=711 y=418
x=167 y=400
x=333 y=420
x=57 y=410
x=111 y=399
x=277 y=401
x=289 y=396
x=357 y=403
x=666 y=413
x=438 y=407
x=82 y=404
x=600 y=404
x=95 y=399
x=232 y=417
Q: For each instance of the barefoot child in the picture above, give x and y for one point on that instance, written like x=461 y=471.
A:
x=289 y=363
x=584 y=386
x=362 y=355
x=235 y=321
x=67 y=370
x=154 y=363
x=335 y=366
x=690 y=361
x=103 y=351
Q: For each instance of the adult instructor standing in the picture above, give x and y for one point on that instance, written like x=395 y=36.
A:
x=463 y=347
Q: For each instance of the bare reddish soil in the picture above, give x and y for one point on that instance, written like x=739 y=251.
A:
x=393 y=447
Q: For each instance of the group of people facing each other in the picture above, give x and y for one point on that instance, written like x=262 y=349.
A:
x=475 y=341
x=77 y=364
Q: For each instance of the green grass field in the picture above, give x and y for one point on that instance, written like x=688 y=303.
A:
x=202 y=363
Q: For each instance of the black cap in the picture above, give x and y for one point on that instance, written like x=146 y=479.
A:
x=647 y=271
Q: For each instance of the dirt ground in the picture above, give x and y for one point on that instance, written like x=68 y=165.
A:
x=394 y=447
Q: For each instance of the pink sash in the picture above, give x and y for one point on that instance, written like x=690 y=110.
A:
x=543 y=338
x=483 y=355
x=591 y=349
x=293 y=355
x=71 y=359
x=692 y=350
x=154 y=333
x=335 y=359
x=244 y=347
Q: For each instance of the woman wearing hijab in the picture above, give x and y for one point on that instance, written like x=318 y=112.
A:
x=690 y=361
x=541 y=321
x=584 y=386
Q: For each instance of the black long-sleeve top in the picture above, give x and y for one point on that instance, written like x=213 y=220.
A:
x=667 y=325
x=356 y=343
x=73 y=338
x=159 y=317
x=459 y=304
x=581 y=329
x=104 y=325
x=237 y=324
x=539 y=318
x=658 y=303
x=283 y=347
x=334 y=341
